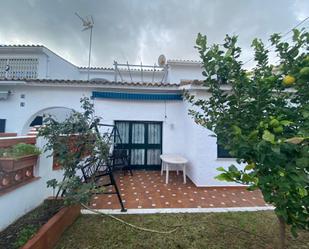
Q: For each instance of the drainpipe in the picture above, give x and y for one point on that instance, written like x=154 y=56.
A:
x=47 y=67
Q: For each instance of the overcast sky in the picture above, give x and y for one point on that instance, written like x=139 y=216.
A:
x=141 y=30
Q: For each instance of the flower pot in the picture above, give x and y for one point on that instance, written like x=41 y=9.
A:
x=13 y=164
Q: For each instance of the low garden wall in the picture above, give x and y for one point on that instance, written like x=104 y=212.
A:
x=30 y=190
x=50 y=233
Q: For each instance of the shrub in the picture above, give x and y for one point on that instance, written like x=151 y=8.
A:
x=20 y=150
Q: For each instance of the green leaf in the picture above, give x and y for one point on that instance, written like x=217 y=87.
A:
x=247 y=178
x=52 y=183
x=250 y=166
x=305 y=114
x=236 y=130
x=221 y=169
x=268 y=136
x=224 y=177
x=253 y=134
x=286 y=122
x=233 y=168
x=302 y=162
x=302 y=192
x=252 y=188
x=275 y=149
x=228 y=53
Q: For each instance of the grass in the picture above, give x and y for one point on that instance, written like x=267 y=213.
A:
x=245 y=230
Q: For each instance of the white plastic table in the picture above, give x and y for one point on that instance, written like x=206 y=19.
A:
x=173 y=160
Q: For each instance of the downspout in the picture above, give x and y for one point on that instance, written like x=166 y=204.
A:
x=47 y=67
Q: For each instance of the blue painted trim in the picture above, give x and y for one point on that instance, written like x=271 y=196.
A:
x=136 y=96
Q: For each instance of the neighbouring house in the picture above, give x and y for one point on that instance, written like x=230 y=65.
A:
x=144 y=102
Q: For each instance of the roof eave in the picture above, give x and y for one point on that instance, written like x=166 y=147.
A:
x=92 y=84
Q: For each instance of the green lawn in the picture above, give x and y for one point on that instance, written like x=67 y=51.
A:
x=242 y=230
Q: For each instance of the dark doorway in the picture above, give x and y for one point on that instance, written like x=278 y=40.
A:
x=37 y=121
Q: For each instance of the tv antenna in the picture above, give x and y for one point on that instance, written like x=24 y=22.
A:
x=88 y=23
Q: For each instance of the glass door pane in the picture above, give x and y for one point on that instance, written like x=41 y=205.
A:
x=153 y=156
x=154 y=133
x=138 y=133
x=137 y=157
x=123 y=129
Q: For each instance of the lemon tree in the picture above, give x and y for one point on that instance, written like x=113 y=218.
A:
x=262 y=120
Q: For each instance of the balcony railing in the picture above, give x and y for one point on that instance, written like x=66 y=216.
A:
x=12 y=68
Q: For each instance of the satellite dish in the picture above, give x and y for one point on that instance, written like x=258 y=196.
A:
x=161 y=60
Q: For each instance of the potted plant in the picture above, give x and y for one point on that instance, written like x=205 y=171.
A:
x=18 y=157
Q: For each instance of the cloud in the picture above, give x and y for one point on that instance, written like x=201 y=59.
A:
x=138 y=30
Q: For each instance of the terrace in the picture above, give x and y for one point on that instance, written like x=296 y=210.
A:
x=147 y=190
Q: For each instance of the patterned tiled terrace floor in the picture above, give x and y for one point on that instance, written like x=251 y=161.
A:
x=147 y=189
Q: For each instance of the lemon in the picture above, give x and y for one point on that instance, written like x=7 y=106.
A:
x=271 y=79
x=278 y=129
x=288 y=80
x=304 y=71
x=306 y=60
x=274 y=123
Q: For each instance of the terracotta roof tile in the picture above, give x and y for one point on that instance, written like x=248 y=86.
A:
x=184 y=61
x=96 y=68
x=21 y=46
x=120 y=69
x=94 y=83
x=191 y=82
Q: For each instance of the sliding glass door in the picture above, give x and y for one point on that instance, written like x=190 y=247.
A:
x=143 y=140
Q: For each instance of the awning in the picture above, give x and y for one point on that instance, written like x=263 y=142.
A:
x=136 y=96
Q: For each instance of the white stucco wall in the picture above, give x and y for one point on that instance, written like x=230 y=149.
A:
x=178 y=72
x=173 y=126
x=201 y=150
x=56 y=67
x=180 y=133
x=36 y=100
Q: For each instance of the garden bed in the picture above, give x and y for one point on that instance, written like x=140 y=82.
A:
x=237 y=230
x=18 y=233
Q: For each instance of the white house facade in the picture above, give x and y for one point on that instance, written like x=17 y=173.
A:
x=142 y=101
x=36 y=81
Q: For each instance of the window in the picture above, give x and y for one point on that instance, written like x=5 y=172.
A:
x=222 y=153
x=18 y=68
x=2 y=125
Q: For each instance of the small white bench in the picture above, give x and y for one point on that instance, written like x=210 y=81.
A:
x=173 y=161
